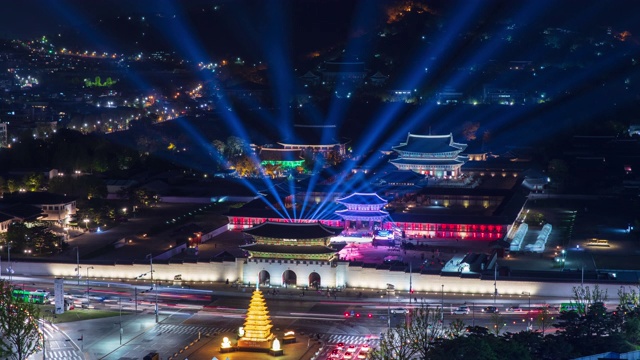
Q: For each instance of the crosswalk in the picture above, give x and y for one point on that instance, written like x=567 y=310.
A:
x=63 y=354
x=190 y=329
x=353 y=339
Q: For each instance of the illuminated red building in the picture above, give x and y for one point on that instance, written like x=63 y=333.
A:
x=436 y=213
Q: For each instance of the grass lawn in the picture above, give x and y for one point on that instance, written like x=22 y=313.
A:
x=75 y=314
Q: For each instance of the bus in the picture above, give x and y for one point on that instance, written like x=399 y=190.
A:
x=35 y=297
x=571 y=306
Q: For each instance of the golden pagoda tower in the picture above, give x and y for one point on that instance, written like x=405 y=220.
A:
x=257 y=325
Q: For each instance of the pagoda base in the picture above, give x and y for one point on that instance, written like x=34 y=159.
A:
x=254 y=345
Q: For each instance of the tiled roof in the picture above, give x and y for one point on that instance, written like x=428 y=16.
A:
x=285 y=249
x=420 y=161
x=429 y=144
x=362 y=198
x=293 y=230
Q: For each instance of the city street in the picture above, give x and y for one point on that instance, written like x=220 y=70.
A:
x=185 y=316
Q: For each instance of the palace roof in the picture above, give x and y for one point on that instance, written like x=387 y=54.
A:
x=429 y=144
x=362 y=214
x=363 y=199
x=289 y=249
x=430 y=161
x=293 y=230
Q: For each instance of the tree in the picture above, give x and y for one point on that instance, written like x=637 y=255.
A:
x=396 y=343
x=457 y=328
x=497 y=323
x=426 y=328
x=19 y=330
x=469 y=130
x=12 y=186
x=33 y=181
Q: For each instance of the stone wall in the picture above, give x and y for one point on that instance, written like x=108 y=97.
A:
x=247 y=270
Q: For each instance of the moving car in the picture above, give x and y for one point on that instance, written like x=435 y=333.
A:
x=491 y=310
x=462 y=310
x=351 y=348
x=515 y=309
x=399 y=311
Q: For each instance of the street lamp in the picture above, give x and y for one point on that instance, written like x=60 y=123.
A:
x=389 y=287
x=90 y=267
x=86 y=223
x=78 y=264
x=442 y=304
x=528 y=293
x=150 y=257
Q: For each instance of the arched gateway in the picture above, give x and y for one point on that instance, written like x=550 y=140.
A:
x=264 y=278
x=289 y=278
x=314 y=280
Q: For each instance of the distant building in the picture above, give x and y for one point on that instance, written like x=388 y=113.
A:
x=502 y=95
x=310 y=79
x=344 y=72
x=285 y=159
x=318 y=138
x=4 y=135
x=363 y=210
x=378 y=79
x=55 y=207
x=432 y=155
x=449 y=97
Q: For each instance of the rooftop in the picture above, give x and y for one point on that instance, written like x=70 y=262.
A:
x=429 y=144
x=293 y=230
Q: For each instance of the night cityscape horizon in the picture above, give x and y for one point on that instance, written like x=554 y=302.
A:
x=319 y=179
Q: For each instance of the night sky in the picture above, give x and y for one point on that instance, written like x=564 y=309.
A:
x=30 y=18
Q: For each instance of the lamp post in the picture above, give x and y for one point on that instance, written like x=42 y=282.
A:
x=442 y=304
x=495 y=283
x=9 y=268
x=120 y=305
x=150 y=257
x=90 y=267
x=389 y=287
x=78 y=264
x=156 y=302
x=528 y=293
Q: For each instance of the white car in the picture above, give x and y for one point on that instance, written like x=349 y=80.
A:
x=462 y=310
x=399 y=311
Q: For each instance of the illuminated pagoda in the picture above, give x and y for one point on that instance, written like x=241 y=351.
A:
x=365 y=209
x=432 y=155
x=256 y=333
x=286 y=240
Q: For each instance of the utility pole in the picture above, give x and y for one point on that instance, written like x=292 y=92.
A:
x=389 y=287
x=156 y=302
x=78 y=264
x=442 y=304
x=10 y=268
x=120 y=305
x=150 y=257
x=495 y=283
x=410 y=287
x=88 y=268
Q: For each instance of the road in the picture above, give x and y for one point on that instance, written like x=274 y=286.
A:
x=188 y=314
